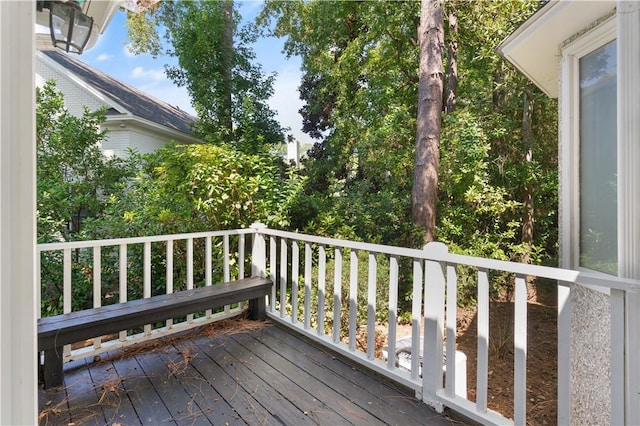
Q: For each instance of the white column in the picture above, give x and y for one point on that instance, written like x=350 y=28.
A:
x=18 y=397
x=628 y=15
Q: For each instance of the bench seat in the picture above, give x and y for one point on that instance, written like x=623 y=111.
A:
x=56 y=331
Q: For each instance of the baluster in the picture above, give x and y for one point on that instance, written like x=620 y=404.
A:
x=322 y=270
x=66 y=281
x=337 y=295
x=146 y=289
x=451 y=324
x=434 y=304
x=208 y=264
x=208 y=268
x=97 y=286
x=273 y=264
x=169 y=275
x=520 y=353
x=225 y=257
x=307 y=285
x=371 y=306
x=483 y=341
x=189 y=271
x=283 y=277
x=66 y=291
x=353 y=299
x=393 y=312
x=295 y=273
x=416 y=315
x=241 y=257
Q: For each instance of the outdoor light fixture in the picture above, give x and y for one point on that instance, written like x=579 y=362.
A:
x=70 y=28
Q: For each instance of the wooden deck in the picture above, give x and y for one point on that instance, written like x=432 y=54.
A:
x=246 y=373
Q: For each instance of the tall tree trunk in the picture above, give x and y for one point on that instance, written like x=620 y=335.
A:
x=527 y=139
x=498 y=90
x=452 y=75
x=430 y=93
x=226 y=113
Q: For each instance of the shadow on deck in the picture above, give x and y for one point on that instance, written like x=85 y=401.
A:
x=234 y=372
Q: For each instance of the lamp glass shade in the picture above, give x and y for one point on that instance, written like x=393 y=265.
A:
x=70 y=28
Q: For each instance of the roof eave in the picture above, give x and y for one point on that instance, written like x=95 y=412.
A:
x=534 y=48
x=150 y=125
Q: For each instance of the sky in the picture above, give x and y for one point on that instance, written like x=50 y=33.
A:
x=111 y=56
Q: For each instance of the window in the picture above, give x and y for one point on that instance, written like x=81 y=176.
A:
x=598 y=240
x=589 y=188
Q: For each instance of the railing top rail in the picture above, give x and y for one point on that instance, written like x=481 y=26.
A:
x=565 y=276
x=139 y=240
x=354 y=245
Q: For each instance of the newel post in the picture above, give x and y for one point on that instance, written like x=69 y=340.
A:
x=434 y=307
x=259 y=251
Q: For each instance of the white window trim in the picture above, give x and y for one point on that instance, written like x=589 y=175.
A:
x=569 y=140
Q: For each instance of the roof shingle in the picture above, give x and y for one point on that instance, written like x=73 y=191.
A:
x=135 y=101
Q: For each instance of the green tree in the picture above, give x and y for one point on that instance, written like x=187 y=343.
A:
x=183 y=189
x=200 y=188
x=358 y=60
x=74 y=178
x=497 y=178
x=216 y=65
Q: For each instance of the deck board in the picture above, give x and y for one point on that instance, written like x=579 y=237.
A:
x=227 y=385
x=80 y=394
x=236 y=360
x=112 y=400
x=257 y=376
x=149 y=407
x=307 y=402
x=391 y=405
x=203 y=395
x=320 y=399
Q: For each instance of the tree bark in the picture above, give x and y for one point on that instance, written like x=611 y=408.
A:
x=430 y=94
x=452 y=75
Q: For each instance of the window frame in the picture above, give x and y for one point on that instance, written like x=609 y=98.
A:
x=569 y=150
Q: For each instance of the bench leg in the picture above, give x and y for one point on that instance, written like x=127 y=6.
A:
x=52 y=370
x=258 y=309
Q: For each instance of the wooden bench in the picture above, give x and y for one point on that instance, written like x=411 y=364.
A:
x=56 y=331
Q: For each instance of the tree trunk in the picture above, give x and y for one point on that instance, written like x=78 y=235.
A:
x=226 y=113
x=452 y=76
x=527 y=139
x=430 y=94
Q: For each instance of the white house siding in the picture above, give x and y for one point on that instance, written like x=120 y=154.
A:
x=125 y=131
x=75 y=96
x=120 y=139
x=590 y=400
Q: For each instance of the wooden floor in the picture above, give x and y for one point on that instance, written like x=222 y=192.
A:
x=245 y=373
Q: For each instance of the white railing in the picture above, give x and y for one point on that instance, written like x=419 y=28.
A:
x=340 y=293
x=118 y=270
x=319 y=287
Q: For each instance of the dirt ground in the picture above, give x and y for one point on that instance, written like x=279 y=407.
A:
x=541 y=355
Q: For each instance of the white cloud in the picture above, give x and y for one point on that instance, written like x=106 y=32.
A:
x=103 y=57
x=151 y=74
x=286 y=102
